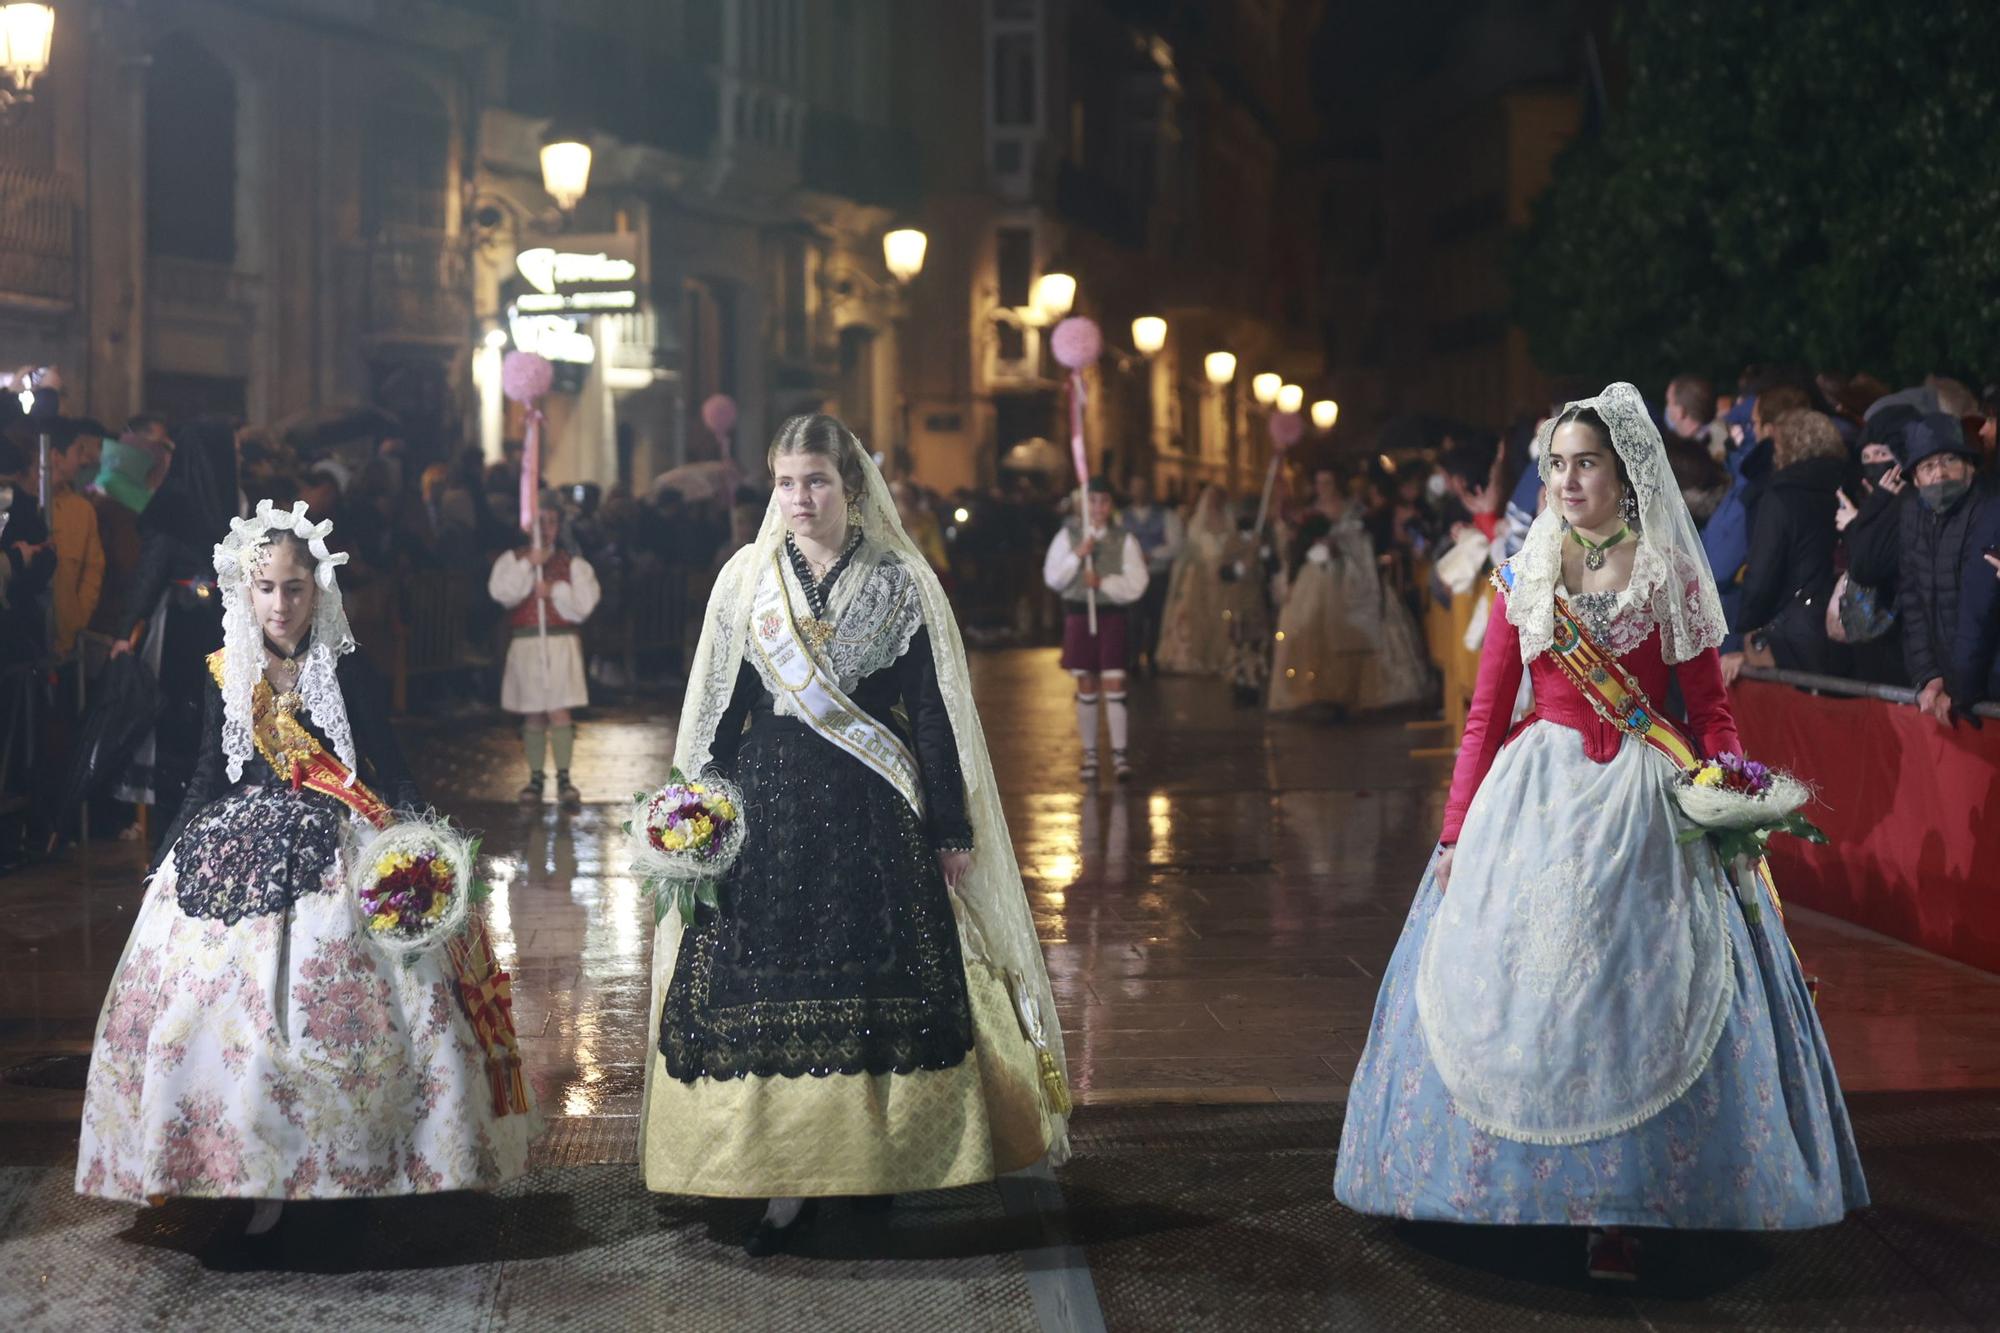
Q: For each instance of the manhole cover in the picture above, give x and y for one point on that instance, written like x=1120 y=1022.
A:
x=67 y=1072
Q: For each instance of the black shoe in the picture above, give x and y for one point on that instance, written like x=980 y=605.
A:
x=766 y=1240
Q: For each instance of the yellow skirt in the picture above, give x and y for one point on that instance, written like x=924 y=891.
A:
x=853 y=1133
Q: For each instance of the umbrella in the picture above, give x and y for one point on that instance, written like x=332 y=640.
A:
x=322 y=430
x=713 y=480
x=1036 y=455
x=121 y=712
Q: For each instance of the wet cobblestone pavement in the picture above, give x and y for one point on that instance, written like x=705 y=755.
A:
x=1215 y=931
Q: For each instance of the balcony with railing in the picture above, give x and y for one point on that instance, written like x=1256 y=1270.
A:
x=37 y=240
x=200 y=287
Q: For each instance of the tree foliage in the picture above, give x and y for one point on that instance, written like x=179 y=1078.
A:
x=1803 y=181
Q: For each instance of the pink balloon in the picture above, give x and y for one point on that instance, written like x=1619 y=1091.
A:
x=1077 y=342
x=718 y=413
x=526 y=376
x=1287 y=429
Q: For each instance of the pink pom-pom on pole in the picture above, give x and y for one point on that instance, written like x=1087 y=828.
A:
x=526 y=376
x=1077 y=342
x=1287 y=429
x=718 y=413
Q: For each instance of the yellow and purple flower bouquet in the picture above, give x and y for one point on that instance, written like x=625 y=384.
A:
x=685 y=836
x=413 y=885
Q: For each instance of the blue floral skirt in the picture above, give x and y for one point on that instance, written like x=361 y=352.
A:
x=1761 y=1141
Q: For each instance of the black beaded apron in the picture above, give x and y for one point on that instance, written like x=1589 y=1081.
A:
x=832 y=949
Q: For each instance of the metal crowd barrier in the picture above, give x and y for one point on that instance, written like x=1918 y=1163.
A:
x=1854 y=689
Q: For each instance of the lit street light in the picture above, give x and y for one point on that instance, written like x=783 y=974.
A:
x=565 y=167
x=1053 y=295
x=903 y=251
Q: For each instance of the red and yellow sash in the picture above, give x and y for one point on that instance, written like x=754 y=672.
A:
x=296 y=755
x=484 y=991
x=1618 y=698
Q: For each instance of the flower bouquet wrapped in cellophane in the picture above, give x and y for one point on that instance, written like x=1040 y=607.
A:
x=685 y=836
x=1740 y=804
x=414 y=883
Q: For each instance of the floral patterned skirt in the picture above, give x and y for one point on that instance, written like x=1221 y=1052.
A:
x=281 y=1057
x=1761 y=1141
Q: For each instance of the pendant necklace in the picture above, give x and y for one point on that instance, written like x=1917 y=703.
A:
x=1593 y=558
x=817 y=626
x=288 y=700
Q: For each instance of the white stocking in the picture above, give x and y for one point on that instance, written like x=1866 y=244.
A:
x=1086 y=721
x=1116 y=719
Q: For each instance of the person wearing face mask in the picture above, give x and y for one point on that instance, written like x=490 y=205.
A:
x=1942 y=535
x=1868 y=516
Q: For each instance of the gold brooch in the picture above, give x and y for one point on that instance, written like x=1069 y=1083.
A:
x=818 y=633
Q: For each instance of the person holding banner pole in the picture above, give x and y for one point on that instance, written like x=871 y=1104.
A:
x=549 y=592
x=1092 y=559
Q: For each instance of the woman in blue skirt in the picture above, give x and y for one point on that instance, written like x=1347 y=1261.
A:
x=1586 y=1022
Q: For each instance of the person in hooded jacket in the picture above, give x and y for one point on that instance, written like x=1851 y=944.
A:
x=1790 y=570
x=1943 y=534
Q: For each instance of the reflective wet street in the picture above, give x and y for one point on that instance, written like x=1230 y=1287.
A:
x=1215 y=931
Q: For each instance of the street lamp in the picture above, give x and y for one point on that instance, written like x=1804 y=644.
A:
x=565 y=166
x=903 y=251
x=1220 y=367
x=1149 y=334
x=27 y=31
x=1264 y=388
x=1291 y=398
x=1053 y=295
x=1325 y=413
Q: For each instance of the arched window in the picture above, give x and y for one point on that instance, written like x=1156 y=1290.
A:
x=190 y=153
x=407 y=164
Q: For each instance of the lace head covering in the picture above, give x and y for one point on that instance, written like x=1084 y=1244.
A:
x=995 y=925
x=1670 y=574
x=238 y=557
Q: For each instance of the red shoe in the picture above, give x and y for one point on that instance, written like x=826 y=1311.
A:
x=1614 y=1256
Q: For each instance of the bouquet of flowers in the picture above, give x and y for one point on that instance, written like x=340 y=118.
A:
x=685 y=836
x=1740 y=803
x=414 y=884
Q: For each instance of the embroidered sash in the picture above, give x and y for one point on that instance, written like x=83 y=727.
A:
x=297 y=756
x=821 y=703
x=1619 y=699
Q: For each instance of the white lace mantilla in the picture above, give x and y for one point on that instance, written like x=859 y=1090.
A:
x=1671 y=583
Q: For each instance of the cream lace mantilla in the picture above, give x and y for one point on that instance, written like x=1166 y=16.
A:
x=888 y=592
x=1671 y=588
x=875 y=611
